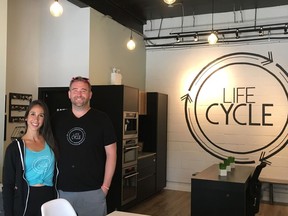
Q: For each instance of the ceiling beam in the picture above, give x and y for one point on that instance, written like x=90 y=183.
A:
x=116 y=12
x=79 y=3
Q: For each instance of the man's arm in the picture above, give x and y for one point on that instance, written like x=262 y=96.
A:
x=111 y=156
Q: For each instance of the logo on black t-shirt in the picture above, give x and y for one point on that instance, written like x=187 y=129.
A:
x=76 y=136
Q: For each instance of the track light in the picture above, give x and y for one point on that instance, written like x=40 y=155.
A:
x=261 y=32
x=196 y=38
x=131 y=44
x=56 y=9
x=237 y=34
x=277 y=31
x=213 y=38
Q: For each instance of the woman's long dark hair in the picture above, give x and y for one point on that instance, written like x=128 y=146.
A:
x=45 y=129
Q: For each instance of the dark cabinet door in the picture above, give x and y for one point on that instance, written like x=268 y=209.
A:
x=109 y=97
x=56 y=98
x=153 y=133
x=146 y=177
x=131 y=99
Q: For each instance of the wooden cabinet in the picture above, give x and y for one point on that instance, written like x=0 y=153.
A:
x=142 y=103
x=147 y=176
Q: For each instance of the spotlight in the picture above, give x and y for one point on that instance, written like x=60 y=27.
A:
x=196 y=38
x=261 y=32
x=285 y=28
x=177 y=39
x=237 y=33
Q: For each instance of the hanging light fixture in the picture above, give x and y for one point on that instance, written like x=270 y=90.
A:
x=213 y=38
x=131 y=44
x=56 y=9
x=169 y=2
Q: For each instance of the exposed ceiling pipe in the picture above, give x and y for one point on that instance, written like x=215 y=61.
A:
x=234 y=12
x=241 y=14
x=255 y=18
x=182 y=23
x=183 y=14
x=160 y=27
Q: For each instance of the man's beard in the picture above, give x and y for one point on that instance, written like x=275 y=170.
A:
x=79 y=103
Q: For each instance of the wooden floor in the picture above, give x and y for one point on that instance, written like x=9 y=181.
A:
x=177 y=203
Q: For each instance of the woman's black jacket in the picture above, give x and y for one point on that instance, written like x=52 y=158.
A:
x=15 y=187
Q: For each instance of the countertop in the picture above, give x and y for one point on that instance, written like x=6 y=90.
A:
x=145 y=154
x=239 y=174
x=119 y=213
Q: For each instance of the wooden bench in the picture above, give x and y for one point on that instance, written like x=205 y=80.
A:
x=271 y=182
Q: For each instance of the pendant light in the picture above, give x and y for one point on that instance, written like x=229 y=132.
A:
x=131 y=44
x=169 y=2
x=213 y=38
x=56 y=9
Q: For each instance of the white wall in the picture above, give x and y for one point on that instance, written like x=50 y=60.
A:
x=22 y=52
x=63 y=44
x=179 y=68
x=3 y=42
x=108 y=42
x=85 y=42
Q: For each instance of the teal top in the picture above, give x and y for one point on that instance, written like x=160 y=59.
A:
x=39 y=166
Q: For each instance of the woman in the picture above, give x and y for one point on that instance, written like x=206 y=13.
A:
x=29 y=165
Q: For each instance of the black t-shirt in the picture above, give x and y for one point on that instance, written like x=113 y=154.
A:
x=81 y=143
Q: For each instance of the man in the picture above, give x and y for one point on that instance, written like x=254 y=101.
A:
x=87 y=145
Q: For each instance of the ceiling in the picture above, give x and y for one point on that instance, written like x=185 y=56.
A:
x=134 y=13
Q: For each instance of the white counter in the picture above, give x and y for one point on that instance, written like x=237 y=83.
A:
x=119 y=213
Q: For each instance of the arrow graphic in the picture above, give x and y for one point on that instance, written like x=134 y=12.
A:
x=270 y=59
x=186 y=96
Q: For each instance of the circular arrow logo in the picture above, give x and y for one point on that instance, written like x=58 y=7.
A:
x=237 y=105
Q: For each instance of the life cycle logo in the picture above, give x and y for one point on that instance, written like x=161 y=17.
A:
x=237 y=105
x=76 y=136
x=41 y=164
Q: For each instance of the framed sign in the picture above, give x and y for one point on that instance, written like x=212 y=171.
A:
x=18 y=103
